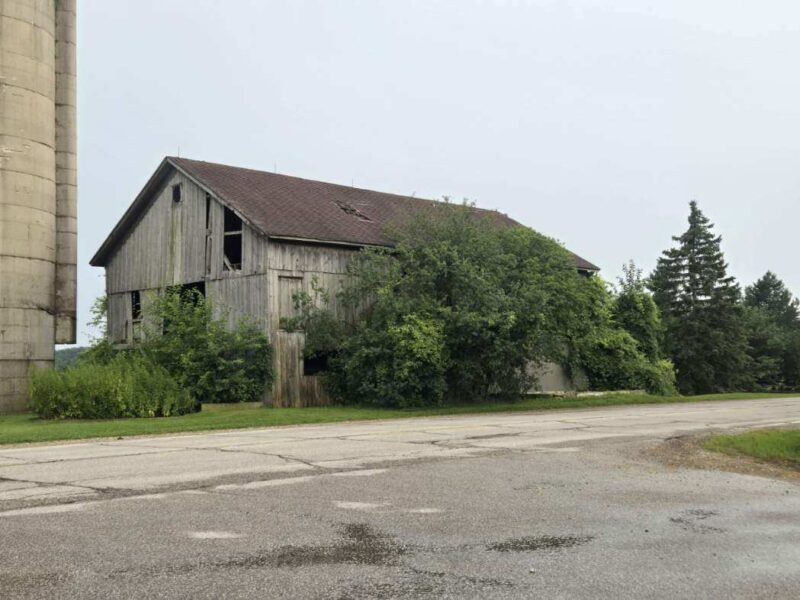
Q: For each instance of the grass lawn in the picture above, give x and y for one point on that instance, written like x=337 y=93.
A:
x=15 y=429
x=776 y=445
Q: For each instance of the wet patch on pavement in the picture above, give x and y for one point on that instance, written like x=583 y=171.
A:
x=541 y=542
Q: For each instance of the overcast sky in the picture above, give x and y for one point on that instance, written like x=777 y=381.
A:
x=593 y=122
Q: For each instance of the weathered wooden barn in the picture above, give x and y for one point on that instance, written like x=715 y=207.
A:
x=247 y=240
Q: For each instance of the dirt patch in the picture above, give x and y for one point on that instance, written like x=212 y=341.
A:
x=542 y=542
x=686 y=451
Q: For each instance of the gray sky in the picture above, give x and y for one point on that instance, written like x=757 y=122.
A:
x=593 y=122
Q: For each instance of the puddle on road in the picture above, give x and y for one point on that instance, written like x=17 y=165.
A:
x=542 y=542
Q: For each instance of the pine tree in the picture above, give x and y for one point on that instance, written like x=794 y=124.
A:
x=770 y=295
x=701 y=310
x=773 y=325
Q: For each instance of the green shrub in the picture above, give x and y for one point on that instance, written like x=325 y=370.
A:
x=612 y=360
x=127 y=386
x=212 y=362
x=402 y=365
x=659 y=378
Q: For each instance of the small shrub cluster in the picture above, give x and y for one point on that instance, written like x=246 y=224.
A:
x=127 y=386
x=186 y=357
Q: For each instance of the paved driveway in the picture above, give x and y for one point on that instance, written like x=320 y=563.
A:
x=553 y=504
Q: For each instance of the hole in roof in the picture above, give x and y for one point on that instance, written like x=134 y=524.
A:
x=351 y=210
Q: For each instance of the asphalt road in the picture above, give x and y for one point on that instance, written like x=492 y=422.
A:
x=560 y=504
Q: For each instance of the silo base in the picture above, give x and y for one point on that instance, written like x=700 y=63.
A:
x=14 y=384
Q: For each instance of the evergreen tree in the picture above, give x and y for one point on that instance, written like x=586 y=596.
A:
x=773 y=325
x=701 y=310
x=770 y=295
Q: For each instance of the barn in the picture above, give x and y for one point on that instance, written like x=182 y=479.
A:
x=248 y=240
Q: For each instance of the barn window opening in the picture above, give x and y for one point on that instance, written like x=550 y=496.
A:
x=136 y=305
x=313 y=365
x=136 y=316
x=232 y=246
x=208 y=212
x=176 y=192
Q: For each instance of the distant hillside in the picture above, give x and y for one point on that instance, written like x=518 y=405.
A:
x=66 y=356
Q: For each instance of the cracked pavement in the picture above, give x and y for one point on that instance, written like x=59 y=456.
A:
x=33 y=475
x=555 y=504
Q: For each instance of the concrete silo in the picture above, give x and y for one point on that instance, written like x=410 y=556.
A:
x=38 y=193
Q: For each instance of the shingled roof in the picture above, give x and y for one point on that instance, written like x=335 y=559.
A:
x=281 y=206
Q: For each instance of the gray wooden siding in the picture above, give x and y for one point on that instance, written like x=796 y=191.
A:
x=119 y=310
x=291 y=268
x=305 y=261
x=236 y=297
x=166 y=245
x=291 y=387
x=120 y=316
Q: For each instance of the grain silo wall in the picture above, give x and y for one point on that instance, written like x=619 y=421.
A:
x=66 y=173
x=37 y=191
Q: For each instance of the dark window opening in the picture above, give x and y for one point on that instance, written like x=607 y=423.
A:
x=233 y=252
x=176 y=192
x=208 y=212
x=232 y=247
x=134 y=334
x=312 y=365
x=136 y=305
x=233 y=224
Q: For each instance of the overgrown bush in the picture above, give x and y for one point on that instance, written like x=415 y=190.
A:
x=457 y=310
x=213 y=363
x=403 y=365
x=612 y=360
x=636 y=312
x=611 y=356
x=129 y=385
x=185 y=357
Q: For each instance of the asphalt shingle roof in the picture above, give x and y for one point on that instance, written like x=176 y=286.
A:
x=292 y=207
